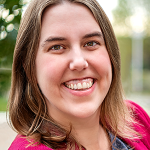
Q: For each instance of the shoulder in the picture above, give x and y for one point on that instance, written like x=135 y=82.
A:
x=20 y=143
x=142 y=126
x=139 y=112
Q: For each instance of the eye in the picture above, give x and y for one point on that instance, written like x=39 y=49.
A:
x=90 y=44
x=56 y=47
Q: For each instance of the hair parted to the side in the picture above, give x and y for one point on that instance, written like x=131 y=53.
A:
x=27 y=107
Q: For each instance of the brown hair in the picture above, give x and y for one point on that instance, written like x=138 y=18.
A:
x=27 y=107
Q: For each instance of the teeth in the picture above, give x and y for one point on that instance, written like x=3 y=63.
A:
x=84 y=85
x=80 y=86
x=88 y=85
x=75 y=86
x=71 y=86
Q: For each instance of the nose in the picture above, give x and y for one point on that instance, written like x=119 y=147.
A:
x=78 y=62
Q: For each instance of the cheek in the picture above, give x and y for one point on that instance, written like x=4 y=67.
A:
x=103 y=64
x=47 y=75
x=107 y=68
x=48 y=69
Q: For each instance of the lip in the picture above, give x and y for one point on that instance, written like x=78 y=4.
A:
x=81 y=93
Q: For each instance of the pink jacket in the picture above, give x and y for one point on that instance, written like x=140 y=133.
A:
x=143 y=119
x=140 y=144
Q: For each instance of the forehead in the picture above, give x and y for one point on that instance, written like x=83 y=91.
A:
x=67 y=18
x=67 y=10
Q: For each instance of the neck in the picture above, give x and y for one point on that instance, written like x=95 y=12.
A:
x=91 y=134
x=87 y=131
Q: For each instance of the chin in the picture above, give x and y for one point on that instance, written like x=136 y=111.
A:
x=86 y=113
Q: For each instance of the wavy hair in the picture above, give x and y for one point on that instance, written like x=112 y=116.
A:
x=27 y=107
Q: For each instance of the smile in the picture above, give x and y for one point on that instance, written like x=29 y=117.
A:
x=79 y=84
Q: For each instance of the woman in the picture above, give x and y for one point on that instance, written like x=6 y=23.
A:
x=66 y=90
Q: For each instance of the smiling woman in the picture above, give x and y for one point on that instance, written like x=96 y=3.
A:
x=66 y=90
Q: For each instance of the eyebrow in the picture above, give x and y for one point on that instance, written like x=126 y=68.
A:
x=52 y=39
x=97 y=34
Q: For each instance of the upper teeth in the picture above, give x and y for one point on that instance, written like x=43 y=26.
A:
x=80 y=86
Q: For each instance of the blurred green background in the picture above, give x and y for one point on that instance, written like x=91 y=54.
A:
x=10 y=15
x=131 y=25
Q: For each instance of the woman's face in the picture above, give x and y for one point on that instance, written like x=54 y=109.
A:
x=73 y=68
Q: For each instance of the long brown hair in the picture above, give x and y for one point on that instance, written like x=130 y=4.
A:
x=27 y=107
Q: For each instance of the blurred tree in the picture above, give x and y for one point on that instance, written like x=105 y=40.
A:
x=130 y=17
x=10 y=15
x=146 y=53
x=131 y=13
x=121 y=12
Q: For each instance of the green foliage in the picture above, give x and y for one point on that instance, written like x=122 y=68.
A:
x=6 y=49
x=12 y=11
x=10 y=15
x=122 y=12
x=5 y=77
x=125 y=45
x=126 y=16
x=146 y=80
x=3 y=104
x=126 y=9
x=146 y=54
x=2 y=2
